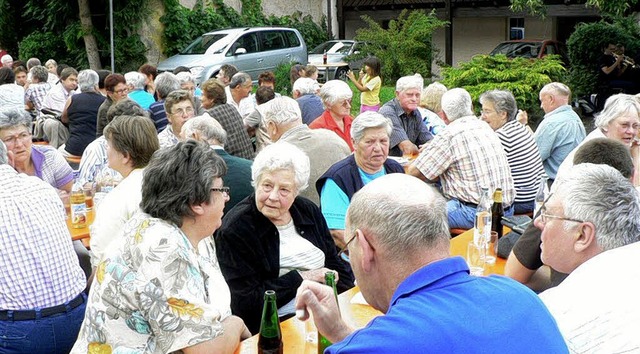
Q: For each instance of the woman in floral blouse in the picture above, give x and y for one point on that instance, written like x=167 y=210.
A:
x=154 y=292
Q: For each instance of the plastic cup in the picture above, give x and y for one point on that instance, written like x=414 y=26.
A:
x=476 y=259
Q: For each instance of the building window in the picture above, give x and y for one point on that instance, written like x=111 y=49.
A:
x=516 y=28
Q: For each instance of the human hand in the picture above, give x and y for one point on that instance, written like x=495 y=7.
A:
x=317 y=275
x=409 y=149
x=320 y=300
x=522 y=117
x=351 y=75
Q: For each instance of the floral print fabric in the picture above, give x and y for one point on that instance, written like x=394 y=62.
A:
x=150 y=294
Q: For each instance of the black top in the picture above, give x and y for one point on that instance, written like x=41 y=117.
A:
x=83 y=115
x=248 y=250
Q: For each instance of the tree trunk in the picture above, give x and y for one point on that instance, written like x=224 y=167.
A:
x=90 y=43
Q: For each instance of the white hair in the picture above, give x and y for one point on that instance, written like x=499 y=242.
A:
x=616 y=106
x=409 y=82
x=305 y=85
x=208 y=128
x=456 y=103
x=135 y=79
x=282 y=110
x=333 y=91
x=4 y=159
x=282 y=156
x=366 y=120
x=184 y=77
x=6 y=58
x=88 y=80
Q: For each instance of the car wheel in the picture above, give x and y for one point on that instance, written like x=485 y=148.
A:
x=341 y=74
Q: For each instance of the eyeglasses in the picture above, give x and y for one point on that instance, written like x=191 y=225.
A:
x=544 y=217
x=11 y=140
x=121 y=91
x=183 y=111
x=223 y=190
x=344 y=252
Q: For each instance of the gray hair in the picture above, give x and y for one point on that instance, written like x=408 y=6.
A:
x=556 y=89
x=601 y=195
x=282 y=156
x=33 y=62
x=366 y=120
x=239 y=79
x=208 y=128
x=333 y=91
x=410 y=82
x=305 y=85
x=456 y=103
x=6 y=58
x=184 y=77
x=283 y=110
x=179 y=177
x=11 y=117
x=402 y=212
x=4 y=159
x=51 y=61
x=165 y=83
x=432 y=95
x=39 y=72
x=126 y=107
x=503 y=101
x=88 y=80
x=616 y=106
x=135 y=79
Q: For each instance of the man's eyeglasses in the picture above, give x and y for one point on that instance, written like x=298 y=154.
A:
x=544 y=217
x=344 y=252
x=223 y=190
x=183 y=111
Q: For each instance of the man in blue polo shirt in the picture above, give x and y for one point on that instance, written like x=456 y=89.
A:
x=398 y=242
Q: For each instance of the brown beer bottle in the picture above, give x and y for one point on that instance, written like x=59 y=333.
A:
x=497 y=212
x=330 y=280
x=270 y=338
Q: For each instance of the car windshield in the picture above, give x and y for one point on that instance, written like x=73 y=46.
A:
x=215 y=43
x=333 y=47
x=518 y=49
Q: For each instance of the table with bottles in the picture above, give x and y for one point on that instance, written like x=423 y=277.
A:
x=354 y=313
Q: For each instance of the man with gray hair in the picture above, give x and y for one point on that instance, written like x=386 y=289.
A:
x=465 y=157
x=283 y=121
x=238 y=90
x=590 y=229
x=305 y=92
x=42 y=297
x=238 y=176
x=7 y=61
x=560 y=131
x=398 y=244
x=409 y=132
x=137 y=82
x=165 y=83
x=38 y=88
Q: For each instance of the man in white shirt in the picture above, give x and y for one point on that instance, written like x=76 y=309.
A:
x=239 y=88
x=593 y=211
x=60 y=93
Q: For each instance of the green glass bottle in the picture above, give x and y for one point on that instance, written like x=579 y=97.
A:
x=330 y=280
x=270 y=338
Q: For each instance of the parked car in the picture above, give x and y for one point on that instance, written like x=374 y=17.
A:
x=532 y=49
x=336 y=51
x=252 y=50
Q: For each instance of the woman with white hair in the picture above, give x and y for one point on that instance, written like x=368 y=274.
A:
x=275 y=239
x=371 y=132
x=619 y=120
x=81 y=114
x=336 y=97
x=137 y=92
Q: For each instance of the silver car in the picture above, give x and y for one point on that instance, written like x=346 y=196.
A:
x=252 y=50
x=336 y=51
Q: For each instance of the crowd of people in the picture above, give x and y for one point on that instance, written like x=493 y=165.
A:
x=214 y=194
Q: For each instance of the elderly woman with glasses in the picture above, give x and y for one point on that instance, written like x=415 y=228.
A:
x=499 y=110
x=179 y=106
x=336 y=97
x=275 y=239
x=41 y=161
x=371 y=132
x=131 y=142
x=620 y=121
x=160 y=288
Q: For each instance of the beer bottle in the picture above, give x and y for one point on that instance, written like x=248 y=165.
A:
x=78 y=206
x=497 y=212
x=330 y=280
x=270 y=338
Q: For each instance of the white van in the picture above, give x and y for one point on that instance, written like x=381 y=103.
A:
x=251 y=49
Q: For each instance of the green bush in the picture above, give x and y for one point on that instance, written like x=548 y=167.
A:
x=44 y=45
x=403 y=49
x=523 y=77
x=387 y=93
x=283 y=80
x=585 y=49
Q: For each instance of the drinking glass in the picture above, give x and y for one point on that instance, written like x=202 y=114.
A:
x=476 y=258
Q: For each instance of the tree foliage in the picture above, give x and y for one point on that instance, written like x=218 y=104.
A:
x=523 y=77
x=608 y=8
x=406 y=47
x=585 y=48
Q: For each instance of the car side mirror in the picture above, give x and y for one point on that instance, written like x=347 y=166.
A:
x=240 y=51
